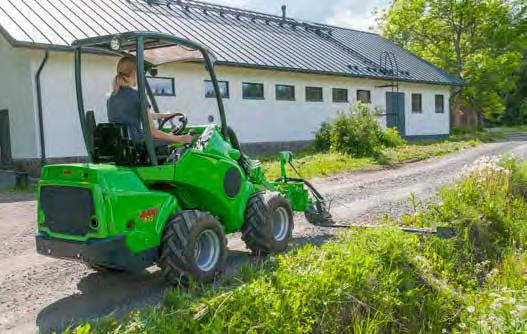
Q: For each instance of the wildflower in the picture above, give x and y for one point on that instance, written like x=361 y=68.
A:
x=462 y=325
x=471 y=309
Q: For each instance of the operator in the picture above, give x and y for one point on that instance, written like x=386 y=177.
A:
x=124 y=107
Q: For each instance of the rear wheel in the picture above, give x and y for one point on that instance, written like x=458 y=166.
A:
x=268 y=223
x=193 y=247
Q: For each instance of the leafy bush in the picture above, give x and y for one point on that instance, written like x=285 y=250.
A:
x=323 y=137
x=391 y=138
x=357 y=133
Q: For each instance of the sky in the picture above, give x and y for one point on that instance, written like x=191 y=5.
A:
x=356 y=14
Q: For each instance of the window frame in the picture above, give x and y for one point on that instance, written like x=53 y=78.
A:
x=315 y=100
x=442 y=111
x=284 y=99
x=172 y=83
x=253 y=98
x=213 y=96
x=334 y=90
x=366 y=91
x=420 y=110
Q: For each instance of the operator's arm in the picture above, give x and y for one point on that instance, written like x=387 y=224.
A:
x=156 y=116
x=158 y=134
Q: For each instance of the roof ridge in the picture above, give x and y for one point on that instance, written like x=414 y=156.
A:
x=239 y=11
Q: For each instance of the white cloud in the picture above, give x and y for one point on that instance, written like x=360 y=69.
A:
x=349 y=19
x=355 y=14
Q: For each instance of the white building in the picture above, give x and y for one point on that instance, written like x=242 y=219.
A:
x=307 y=72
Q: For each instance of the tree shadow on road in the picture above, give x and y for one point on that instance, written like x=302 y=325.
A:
x=116 y=294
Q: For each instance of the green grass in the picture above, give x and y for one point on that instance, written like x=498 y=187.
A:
x=312 y=164
x=379 y=280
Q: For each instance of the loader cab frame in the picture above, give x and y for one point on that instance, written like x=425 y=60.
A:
x=150 y=50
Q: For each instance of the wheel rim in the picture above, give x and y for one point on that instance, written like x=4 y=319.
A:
x=280 y=223
x=207 y=250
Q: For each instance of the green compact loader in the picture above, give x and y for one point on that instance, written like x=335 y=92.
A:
x=135 y=205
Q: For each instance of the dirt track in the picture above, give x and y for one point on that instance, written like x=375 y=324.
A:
x=39 y=293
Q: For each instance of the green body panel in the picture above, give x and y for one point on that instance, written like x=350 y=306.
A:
x=120 y=198
x=137 y=202
x=124 y=195
x=296 y=193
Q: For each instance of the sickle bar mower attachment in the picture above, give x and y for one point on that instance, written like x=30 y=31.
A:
x=302 y=194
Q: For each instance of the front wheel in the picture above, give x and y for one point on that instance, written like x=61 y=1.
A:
x=193 y=247
x=268 y=224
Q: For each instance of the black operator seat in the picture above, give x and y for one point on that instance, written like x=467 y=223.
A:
x=111 y=142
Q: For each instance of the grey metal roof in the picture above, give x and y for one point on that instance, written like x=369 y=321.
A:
x=236 y=37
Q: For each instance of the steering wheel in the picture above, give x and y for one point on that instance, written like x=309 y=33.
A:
x=176 y=129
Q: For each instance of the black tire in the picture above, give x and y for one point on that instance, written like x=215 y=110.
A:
x=260 y=231
x=178 y=259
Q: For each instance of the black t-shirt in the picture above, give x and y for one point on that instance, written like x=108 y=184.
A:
x=125 y=108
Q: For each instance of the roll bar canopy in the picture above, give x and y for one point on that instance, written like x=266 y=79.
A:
x=150 y=49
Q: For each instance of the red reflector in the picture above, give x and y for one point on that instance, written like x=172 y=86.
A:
x=67 y=172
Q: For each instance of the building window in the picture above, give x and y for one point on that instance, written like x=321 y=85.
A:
x=440 y=104
x=417 y=103
x=162 y=86
x=285 y=93
x=340 y=95
x=209 y=89
x=253 y=91
x=364 y=96
x=314 y=94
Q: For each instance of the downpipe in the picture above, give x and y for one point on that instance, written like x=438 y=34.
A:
x=39 y=108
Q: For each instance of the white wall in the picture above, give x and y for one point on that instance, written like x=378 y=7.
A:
x=428 y=122
x=16 y=95
x=254 y=120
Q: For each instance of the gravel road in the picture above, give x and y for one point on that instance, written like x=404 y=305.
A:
x=43 y=294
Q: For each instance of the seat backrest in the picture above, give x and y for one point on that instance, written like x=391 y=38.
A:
x=112 y=143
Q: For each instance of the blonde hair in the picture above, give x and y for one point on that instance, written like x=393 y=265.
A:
x=125 y=71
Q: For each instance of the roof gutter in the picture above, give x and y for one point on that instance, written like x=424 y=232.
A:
x=39 y=107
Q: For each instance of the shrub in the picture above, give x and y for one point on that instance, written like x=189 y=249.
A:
x=357 y=133
x=323 y=137
x=391 y=138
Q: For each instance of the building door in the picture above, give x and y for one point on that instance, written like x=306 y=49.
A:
x=5 y=139
x=395 y=112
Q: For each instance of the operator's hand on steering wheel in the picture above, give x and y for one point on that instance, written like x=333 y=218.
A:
x=167 y=118
x=185 y=139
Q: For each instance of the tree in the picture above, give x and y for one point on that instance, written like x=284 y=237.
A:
x=480 y=41
x=516 y=112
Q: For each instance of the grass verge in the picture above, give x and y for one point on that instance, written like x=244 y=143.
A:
x=314 y=164
x=377 y=281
